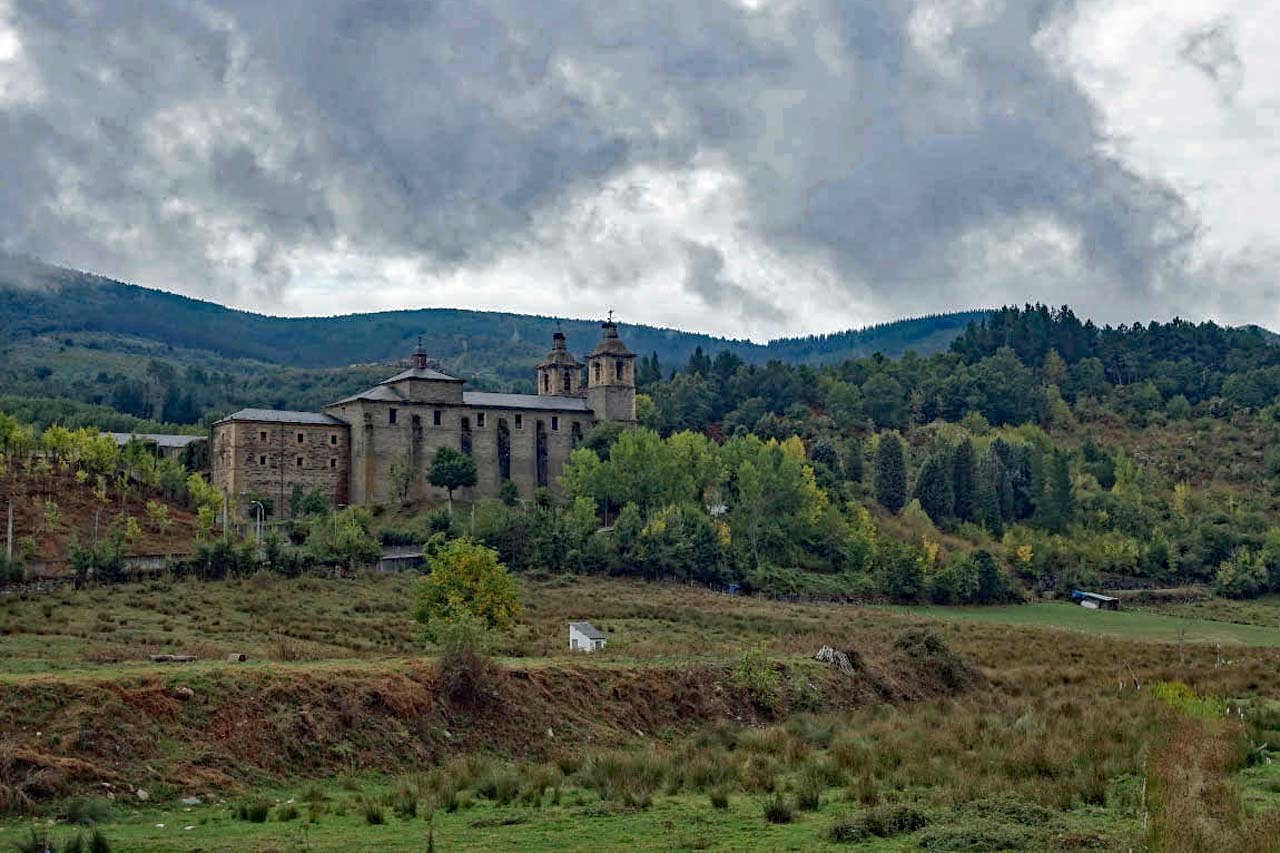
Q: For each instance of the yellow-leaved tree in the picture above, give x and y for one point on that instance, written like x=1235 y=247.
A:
x=467 y=586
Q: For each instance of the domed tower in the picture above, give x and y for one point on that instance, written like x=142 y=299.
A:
x=611 y=377
x=559 y=374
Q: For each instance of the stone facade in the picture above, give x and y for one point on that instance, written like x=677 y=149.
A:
x=389 y=434
x=264 y=453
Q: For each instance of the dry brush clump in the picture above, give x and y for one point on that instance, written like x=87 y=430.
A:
x=1195 y=805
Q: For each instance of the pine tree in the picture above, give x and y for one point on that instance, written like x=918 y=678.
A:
x=991 y=484
x=891 y=473
x=853 y=459
x=933 y=488
x=1059 y=496
x=962 y=488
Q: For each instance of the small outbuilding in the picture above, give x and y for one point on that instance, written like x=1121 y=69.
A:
x=1094 y=601
x=585 y=637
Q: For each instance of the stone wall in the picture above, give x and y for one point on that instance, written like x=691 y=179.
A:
x=268 y=459
x=377 y=445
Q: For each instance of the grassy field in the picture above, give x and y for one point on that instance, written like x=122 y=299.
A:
x=1143 y=625
x=1048 y=746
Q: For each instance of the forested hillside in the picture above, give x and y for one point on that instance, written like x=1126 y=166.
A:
x=161 y=357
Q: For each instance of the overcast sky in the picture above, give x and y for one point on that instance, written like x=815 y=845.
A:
x=744 y=167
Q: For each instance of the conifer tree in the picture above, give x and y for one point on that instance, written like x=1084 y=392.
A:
x=962 y=488
x=933 y=488
x=990 y=486
x=853 y=459
x=1059 y=496
x=891 y=473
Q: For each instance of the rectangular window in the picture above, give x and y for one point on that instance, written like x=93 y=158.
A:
x=555 y=424
x=300 y=438
x=333 y=463
x=299 y=461
x=479 y=419
x=519 y=421
x=617 y=369
x=262 y=460
x=391 y=416
x=262 y=435
x=333 y=438
x=435 y=418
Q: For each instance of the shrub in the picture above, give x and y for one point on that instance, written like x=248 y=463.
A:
x=287 y=812
x=255 y=811
x=776 y=809
x=372 y=813
x=466 y=675
x=622 y=777
x=756 y=676
x=719 y=798
x=87 y=811
x=500 y=784
x=810 y=784
x=98 y=843
x=883 y=822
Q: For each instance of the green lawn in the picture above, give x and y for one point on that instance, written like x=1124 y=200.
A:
x=684 y=821
x=1128 y=624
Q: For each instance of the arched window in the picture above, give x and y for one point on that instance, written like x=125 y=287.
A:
x=568 y=381
x=617 y=369
x=596 y=369
x=546 y=382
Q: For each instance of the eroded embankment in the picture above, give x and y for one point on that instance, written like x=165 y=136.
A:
x=218 y=730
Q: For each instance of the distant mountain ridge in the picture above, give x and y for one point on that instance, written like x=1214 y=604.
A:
x=40 y=300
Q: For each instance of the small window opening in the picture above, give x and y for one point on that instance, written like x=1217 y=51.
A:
x=519 y=421
x=262 y=436
x=555 y=424
x=333 y=463
x=567 y=382
x=617 y=369
x=435 y=417
x=300 y=438
x=546 y=382
x=333 y=438
x=391 y=416
x=262 y=460
x=479 y=419
x=299 y=461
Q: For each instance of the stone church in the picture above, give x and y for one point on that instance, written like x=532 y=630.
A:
x=367 y=448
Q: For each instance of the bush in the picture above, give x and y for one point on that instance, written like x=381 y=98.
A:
x=630 y=779
x=287 y=812
x=810 y=784
x=86 y=811
x=756 y=675
x=372 y=813
x=255 y=811
x=882 y=822
x=465 y=674
x=719 y=798
x=776 y=809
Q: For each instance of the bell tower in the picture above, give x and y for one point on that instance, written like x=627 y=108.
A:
x=559 y=374
x=611 y=377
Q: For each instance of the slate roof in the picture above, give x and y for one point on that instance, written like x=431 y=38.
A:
x=158 y=439
x=421 y=373
x=586 y=629
x=491 y=400
x=383 y=393
x=282 y=416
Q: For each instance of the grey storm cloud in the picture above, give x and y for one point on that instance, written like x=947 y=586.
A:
x=183 y=143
